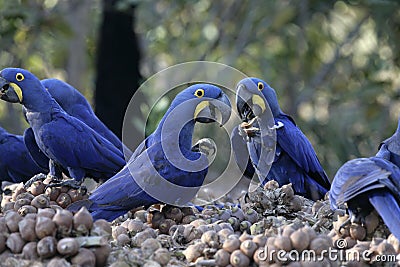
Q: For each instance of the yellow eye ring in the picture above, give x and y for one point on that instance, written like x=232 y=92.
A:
x=199 y=93
x=260 y=86
x=19 y=76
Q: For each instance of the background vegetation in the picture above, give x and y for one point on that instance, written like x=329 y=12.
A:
x=334 y=64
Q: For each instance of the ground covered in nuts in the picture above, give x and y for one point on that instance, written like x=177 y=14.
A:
x=272 y=227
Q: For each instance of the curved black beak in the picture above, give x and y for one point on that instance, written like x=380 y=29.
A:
x=7 y=92
x=208 y=113
x=249 y=104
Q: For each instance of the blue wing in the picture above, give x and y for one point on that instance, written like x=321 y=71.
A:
x=296 y=145
x=89 y=118
x=388 y=208
x=362 y=175
x=16 y=165
x=141 y=183
x=73 y=144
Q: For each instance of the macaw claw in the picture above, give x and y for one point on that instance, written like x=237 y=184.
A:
x=247 y=129
x=69 y=183
x=37 y=177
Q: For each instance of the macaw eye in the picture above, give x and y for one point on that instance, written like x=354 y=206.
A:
x=19 y=76
x=199 y=93
x=260 y=86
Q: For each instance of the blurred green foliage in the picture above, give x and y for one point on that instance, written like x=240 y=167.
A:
x=334 y=64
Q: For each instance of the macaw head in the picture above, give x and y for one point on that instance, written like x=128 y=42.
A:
x=19 y=86
x=201 y=101
x=253 y=95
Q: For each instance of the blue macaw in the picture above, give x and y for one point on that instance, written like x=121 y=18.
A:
x=16 y=165
x=156 y=167
x=295 y=160
x=64 y=139
x=365 y=184
x=75 y=104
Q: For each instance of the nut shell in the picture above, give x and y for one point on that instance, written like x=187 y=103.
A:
x=63 y=221
x=231 y=244
x=222 y=257
x=174 y=214
x=210 y=238
x=40 y=202
x=194 y=251
x=283 y=242
x=357 y=232
x=149 y=246
x=53 y=193
x=135 y=226
x=165 y=225
x=3 y=240
x=238 y=259
x=27 y=229
x=58 y=262
x=84 y=258
x=29 y=252
x=12 y=218
x=68 y=246
x=47 y=212
x=44 y=227
x=47 y=247
x=123 y=240
x=20 y=203
x=82 y=222
x=162 y=256
x=248 y=247
x=101 y=254
x=37 y=188
x=101 y=228
x=64 y=200
x=15 y=242
x=300 y=240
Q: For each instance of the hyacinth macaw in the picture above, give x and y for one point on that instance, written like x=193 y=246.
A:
x=365 y=184
x=158 y=165
x=16 y=165
x=295 y=160
x=64 y=139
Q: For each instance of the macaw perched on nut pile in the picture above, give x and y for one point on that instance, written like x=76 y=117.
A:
x=64 y=139
x=295 y=160
x=165 y=168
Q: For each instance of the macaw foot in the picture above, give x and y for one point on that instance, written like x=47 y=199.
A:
x=37 y=177
x=69 y=183
x=247 y=129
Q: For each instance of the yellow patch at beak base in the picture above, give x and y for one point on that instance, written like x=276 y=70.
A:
x=18 y=91
x=202 y=105
x=257 y=100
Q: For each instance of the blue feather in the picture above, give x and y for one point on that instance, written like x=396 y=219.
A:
x=16 y=164
x=365 y=184
x=149 y=176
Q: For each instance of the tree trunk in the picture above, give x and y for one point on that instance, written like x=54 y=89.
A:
x=118 y=59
